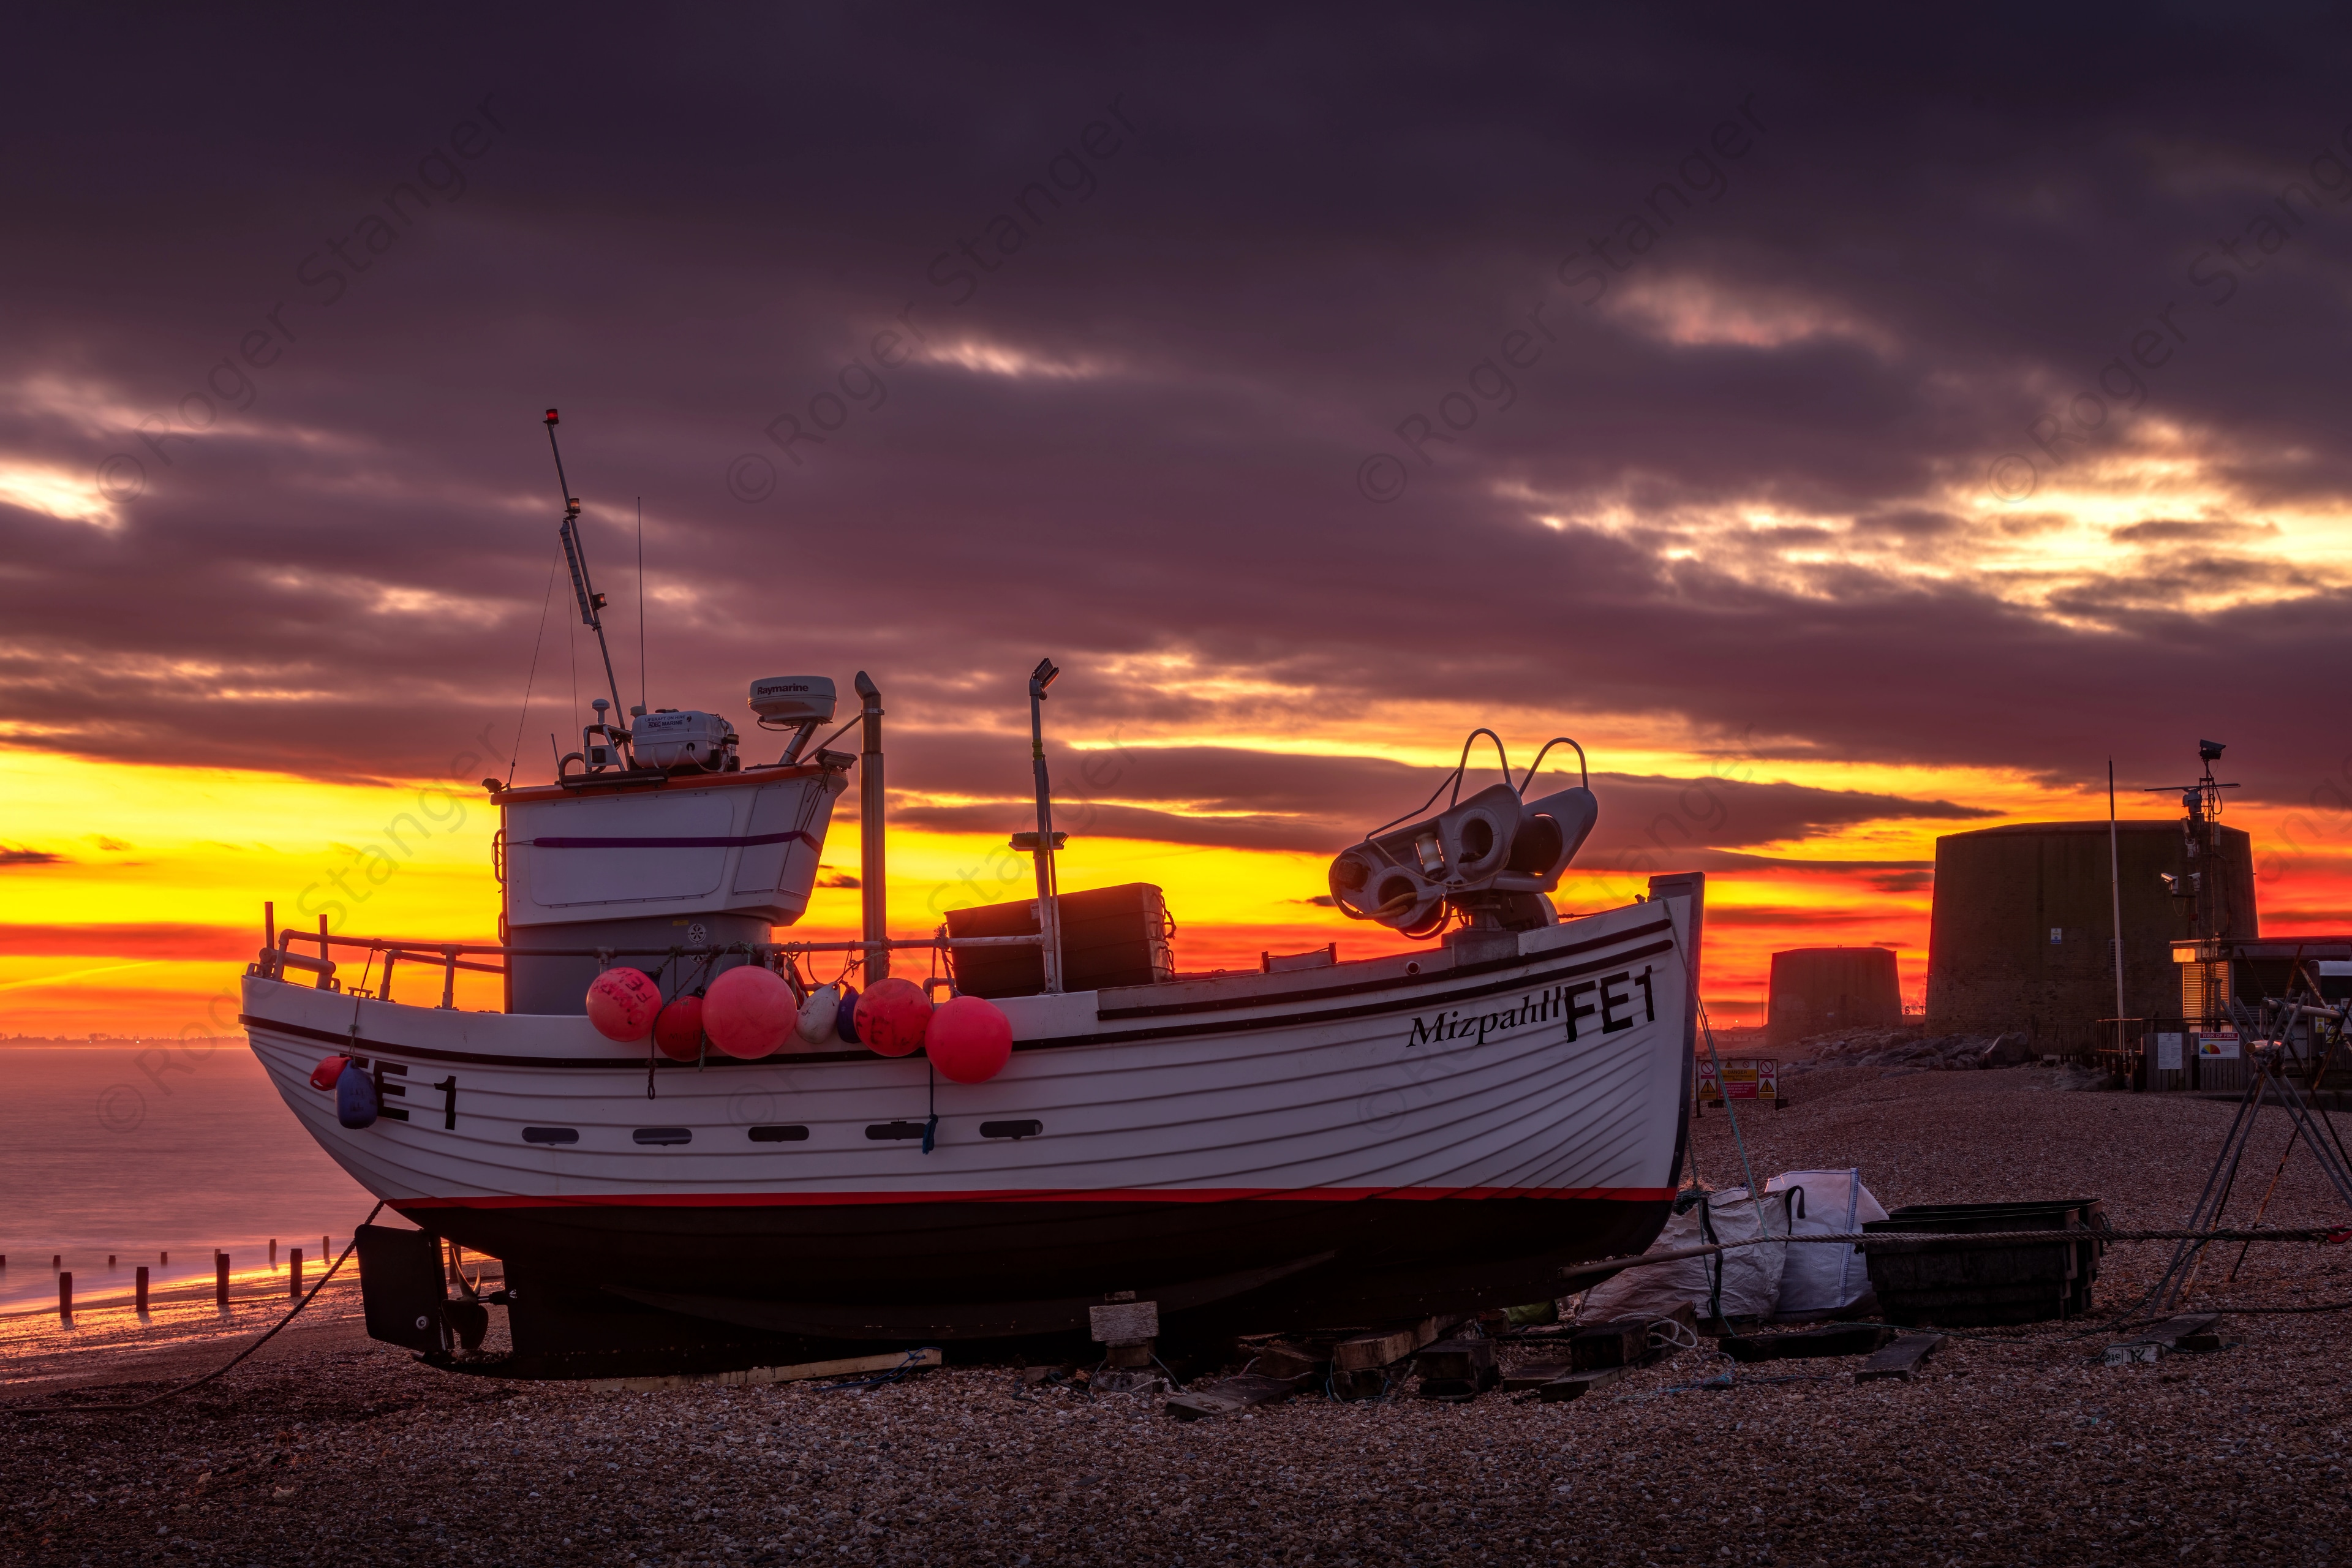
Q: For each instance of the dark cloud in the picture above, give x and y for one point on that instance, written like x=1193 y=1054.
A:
x=18 y=855
x=1272 y=800
x=1215 y=262
x=2175 y=531
x=1773 y=917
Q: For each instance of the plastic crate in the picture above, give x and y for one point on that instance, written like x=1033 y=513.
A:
x=1959 y=1285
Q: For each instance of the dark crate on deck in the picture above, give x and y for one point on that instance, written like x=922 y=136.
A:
x=1960 y=1284
x=1110 y=936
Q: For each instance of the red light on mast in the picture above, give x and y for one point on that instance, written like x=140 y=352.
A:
x=550 y=417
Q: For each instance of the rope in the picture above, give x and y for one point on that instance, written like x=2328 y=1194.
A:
x=896 y=1375
x=544 y=600
x=172 y=1392
x=1879 y=1238
x=1708 y=1028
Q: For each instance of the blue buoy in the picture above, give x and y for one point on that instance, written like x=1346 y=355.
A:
x=846 y=1021
x=355 y=1101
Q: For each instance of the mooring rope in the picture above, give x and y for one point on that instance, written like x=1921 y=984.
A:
x=1908 y=1240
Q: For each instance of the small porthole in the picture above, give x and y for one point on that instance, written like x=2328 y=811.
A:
x=885 y=1132
x=1412 y=969
x=550 y=1135
x=779 y=1135
x=663 y=1135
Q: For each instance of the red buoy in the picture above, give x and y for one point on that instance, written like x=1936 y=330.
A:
x=328 y=1069
x=623 y=1003
x=970 y=1040
x=748 y=1011
x=891 y=1017
x=678 y=1030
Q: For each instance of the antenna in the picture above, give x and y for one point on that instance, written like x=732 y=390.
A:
x=2213 y=912
x=576 y=553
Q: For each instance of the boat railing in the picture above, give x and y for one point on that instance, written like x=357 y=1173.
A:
x=278 y=961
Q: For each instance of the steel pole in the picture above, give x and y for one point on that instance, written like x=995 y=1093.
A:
x=872 y=862
x=1049 y=909
x=2116 y=894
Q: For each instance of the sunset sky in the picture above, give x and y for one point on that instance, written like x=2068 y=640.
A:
x=1849 y=438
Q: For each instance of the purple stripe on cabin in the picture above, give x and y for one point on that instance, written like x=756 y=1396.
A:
x=670 y=843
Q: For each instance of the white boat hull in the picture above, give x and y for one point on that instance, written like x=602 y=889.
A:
x=1352 y=1143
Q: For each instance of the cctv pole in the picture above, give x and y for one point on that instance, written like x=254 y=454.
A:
x=1049 y=909
x=871 y=860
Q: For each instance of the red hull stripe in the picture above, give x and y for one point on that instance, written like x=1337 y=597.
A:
x=1034 y=1195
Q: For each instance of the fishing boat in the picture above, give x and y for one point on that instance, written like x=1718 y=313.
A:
x=1321 y=1141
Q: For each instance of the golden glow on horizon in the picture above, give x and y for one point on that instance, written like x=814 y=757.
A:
x=198 y=850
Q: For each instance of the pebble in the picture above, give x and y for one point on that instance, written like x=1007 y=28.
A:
x=2010 y=1449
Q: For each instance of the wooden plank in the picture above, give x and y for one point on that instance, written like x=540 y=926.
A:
x=1281 y=1360
x=1125 y=1322
x=757 y=1376
x=1229 y=1396
x=1366 y=1383
x=1621 y=1343
x=1535 y=1375
x=1457 y=1369
x=1576 y=1384
x=1899 y=1360
x=1438 y=1327
x=1370 y=1350
x=1454 y=1359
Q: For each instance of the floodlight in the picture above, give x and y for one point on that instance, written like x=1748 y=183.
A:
x=2210 y=751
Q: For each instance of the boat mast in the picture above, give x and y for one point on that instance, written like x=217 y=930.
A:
x=576 y=553
x=1049 y=910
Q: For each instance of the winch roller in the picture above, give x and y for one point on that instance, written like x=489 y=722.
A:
x=1493 y=855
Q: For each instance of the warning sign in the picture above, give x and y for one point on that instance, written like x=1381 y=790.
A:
x=1743 y=1078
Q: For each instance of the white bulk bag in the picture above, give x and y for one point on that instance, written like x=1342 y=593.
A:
x=1751 y=1275
x=1823 y=1277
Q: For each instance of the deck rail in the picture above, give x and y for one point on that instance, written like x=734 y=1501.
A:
x=277 y=959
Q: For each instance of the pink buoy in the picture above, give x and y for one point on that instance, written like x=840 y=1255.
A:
x=678 y=1030
x=891 y=1017
x=748 y=1012
x=971 y=1039
x=623 y=1004
x=328 y=1069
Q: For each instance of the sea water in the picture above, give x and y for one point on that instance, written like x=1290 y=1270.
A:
x=137 y=1150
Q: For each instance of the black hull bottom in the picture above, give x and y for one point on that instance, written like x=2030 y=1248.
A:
x=622 y=1289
